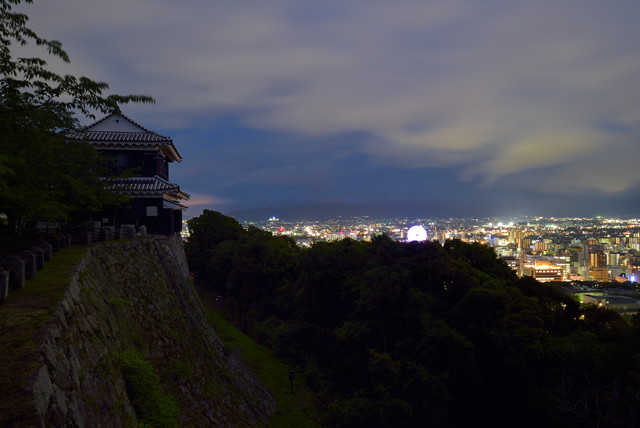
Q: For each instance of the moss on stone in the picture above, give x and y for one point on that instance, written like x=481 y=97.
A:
x=153 y=406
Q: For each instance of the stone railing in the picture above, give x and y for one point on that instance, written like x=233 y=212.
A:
x=15 y=269
x=24 y=264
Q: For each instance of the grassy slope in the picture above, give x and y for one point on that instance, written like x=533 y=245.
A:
x=295 y=409
x=28 y=309
x=21 y=317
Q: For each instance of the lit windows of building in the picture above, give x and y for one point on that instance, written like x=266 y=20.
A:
x=564 y=263
x=633 y=268
x=543 y=271
x=513 y=263
x=541 y=246
x=597 y=259
x=599 y=274
x=613 y=259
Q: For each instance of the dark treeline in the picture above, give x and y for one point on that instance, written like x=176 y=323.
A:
x=422 y=334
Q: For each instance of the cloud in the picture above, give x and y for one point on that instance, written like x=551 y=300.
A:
x=200 y=199
x=539 y=150
x=498 y=92
x=198 y=202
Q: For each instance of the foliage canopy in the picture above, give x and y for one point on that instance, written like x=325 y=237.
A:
x=423 y=334
x=42 y=175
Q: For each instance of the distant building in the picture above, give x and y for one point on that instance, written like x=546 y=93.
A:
x=543 y=271
x=613 y=258
x=599 y=274
x=633 y=269
x=541 y=246
x=597 y=259
x=338 y=236
x=155 y=202
x=304 y=242
x=618 y=303
x=513 y=263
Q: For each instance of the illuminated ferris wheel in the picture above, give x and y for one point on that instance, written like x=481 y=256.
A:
x=416 y=233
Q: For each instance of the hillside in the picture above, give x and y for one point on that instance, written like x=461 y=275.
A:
x=128 y=344
x=422 y=334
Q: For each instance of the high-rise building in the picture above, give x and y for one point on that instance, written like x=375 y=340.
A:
x=597 y=259
x=599 y=274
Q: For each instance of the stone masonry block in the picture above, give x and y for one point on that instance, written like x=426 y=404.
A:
x=29 y=263
x=47 y=248
x=4 y=285
x=15 y=266
x=39 y=252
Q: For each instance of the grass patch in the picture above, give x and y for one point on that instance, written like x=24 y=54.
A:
x=117 y=301
x=295 y=409
x=153 y=407
x=22 y=316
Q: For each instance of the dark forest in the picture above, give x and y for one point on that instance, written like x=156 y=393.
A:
x=421 y=334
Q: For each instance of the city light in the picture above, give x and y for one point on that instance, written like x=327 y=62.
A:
x=548 y=249
x=416 y=234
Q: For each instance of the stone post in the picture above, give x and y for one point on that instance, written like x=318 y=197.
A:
x=127 y=231
x=56 y=242
x=108 y=233
x=93 y=228
x=29 y=263
x=4 y=285
x=39 y=252
x=47 y=248
x=15 y=266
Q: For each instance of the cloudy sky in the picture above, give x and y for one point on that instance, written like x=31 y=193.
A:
x=441 y=108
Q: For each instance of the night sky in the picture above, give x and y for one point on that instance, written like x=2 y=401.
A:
x=430 y=108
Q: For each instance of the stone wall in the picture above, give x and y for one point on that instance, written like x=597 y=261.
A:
x=138 y=294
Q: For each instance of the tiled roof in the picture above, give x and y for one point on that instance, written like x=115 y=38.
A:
x=144 y=138
x=137 y=186
x=117 y=112
x=119 y=137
